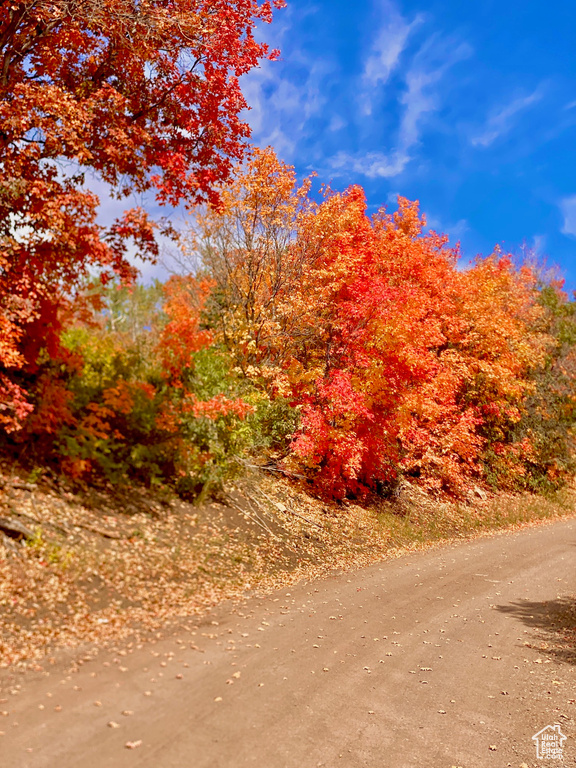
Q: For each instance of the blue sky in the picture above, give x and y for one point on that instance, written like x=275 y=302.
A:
x=468 y=107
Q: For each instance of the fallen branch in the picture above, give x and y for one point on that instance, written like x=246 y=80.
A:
x=101 y=532
x=268 y=468
x=19 y=513
x=261 y=507
x=21 y=486
x=9 y=543
x=15 y=529
x=282 y=508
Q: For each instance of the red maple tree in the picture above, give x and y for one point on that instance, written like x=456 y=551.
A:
x=144 y=95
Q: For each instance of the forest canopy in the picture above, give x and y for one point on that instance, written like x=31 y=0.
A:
x=348 y=348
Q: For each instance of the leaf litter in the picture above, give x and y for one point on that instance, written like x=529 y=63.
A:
x=103 y=565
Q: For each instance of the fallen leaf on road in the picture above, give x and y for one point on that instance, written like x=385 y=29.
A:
x=133 y=744
x=112 y=724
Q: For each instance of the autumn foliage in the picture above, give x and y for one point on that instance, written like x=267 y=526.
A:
x=398 y=361
x=138 y=96
x=350 y=349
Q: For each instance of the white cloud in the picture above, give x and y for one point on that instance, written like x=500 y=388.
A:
x=336 y=123
x=454 y=231
x=501 y=121
x=568 y=208
x=539 y=244
x=417 y=101
x=372 y=164
x=422 y=96
x=423 y=79
x=385 y=53
x=279 y=108
x=260 y=89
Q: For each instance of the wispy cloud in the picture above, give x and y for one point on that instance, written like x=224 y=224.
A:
x=501 y=121
x=385 y=53
x=568 y=208
x=373 y=165
x=423 y=95
x=538 y=244
x=454 y=231
x=279 y=105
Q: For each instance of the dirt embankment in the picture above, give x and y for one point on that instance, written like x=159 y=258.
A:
x=91 y=566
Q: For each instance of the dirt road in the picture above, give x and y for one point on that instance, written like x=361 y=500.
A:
x=452 y=657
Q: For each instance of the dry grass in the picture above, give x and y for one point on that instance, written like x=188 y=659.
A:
x=102 y=566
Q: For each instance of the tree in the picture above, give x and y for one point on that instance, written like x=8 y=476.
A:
x=550 y=414
x=248 y=245
x=466 y=410
x=145 y=95
x=398 y=361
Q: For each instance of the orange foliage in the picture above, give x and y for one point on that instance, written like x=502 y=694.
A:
x=119 y=398
x=243 y=241
x=182 y=336
x=399 y=361
x=52 y=410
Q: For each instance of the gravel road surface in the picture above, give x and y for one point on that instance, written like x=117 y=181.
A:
x=455 y=656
